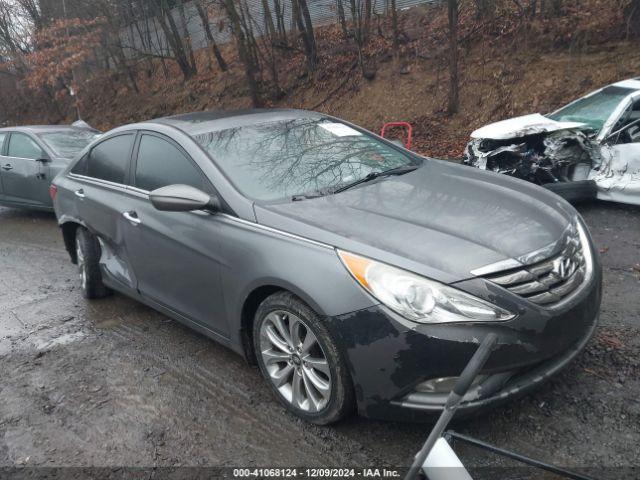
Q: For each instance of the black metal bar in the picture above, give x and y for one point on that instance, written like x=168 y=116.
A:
x=461 y=387
x=516 y=456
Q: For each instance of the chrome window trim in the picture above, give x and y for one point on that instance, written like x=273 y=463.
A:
x=140 y=191
x=144 y=193
x=257 y=226
x=98 y=181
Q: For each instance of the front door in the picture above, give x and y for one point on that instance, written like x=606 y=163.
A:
x=618 y=177
x=174 y=254
x=25 y=174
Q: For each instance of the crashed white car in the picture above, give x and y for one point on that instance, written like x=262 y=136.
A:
x=589 y=148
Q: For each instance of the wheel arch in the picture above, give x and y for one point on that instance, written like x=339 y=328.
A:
x=69 y=229
x=250 y=305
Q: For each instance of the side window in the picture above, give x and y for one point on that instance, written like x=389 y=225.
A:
x=628 y=126
x=3 y=135
x=108 y=160
x=80 y=168
x=160 y=164
x=21 y=146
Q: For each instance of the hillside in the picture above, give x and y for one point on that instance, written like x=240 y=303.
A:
x=505 y=70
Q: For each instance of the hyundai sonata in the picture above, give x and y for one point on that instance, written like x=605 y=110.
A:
x=355 y=273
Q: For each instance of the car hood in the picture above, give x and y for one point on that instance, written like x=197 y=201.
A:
x=522 y=126
x=442 y=220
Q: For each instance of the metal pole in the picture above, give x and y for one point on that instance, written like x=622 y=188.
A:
x=73 y=73
x=516 y=456
x=455 y=398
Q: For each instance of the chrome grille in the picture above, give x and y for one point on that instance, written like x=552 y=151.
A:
x=549 y=281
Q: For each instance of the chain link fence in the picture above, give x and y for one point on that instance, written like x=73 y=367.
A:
x=147 y=38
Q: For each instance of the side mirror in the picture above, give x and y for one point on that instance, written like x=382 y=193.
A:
x=182 y=198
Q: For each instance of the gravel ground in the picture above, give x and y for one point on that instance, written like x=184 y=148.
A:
x=113 y=383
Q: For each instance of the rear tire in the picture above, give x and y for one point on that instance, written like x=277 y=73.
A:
x=88 y=258
x=574 y=192
x=300 y=360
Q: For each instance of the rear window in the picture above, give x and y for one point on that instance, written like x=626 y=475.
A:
x=108 y=160
x=68 y=143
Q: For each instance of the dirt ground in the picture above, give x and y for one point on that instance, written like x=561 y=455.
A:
x=113 y=383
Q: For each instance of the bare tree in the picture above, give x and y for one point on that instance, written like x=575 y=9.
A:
x=204 y=17
x=179 y=47
x=244 y=46
x=454 y=82
x=342 y=18
x=395 y=29
x=302 y=17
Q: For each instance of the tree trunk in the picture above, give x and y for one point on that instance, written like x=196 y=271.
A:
x=454 y=96
x=396 y=31
x=186 y=40
x=243 y=52
x=303 y=20
x=204 y=17
x=278 y=8
x=172 y=34
x=342 y=18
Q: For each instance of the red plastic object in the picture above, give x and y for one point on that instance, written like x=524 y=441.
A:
x=53 y=191
x=407 y=126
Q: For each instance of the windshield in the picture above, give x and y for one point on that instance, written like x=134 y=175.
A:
x=68 y=143
x=282 y=159
x=593 y=110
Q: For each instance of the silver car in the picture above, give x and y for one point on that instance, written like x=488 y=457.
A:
x=31 y=156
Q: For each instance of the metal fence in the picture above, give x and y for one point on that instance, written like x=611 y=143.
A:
x=147 y=36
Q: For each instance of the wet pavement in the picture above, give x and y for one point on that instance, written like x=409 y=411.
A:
x=114 y=383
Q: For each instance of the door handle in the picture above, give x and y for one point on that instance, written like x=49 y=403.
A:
x=7 y=167
x=79 y=193
x=132 y=217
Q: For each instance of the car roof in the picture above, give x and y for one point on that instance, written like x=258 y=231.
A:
x=200 y=122
x=43 y=128
x=632 y=83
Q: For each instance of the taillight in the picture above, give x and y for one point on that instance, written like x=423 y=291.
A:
x=53 y=191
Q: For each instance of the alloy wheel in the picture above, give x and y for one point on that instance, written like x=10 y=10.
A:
x=295 y=362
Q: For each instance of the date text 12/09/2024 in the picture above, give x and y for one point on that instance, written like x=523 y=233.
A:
x=316 y=473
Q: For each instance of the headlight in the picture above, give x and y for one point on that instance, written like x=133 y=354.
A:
x=418 y=298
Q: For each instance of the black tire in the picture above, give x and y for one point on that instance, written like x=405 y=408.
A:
x=341 y=399
x=88 y=257
x=574 y=192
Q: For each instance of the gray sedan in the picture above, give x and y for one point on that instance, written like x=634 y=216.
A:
x=353 y=272
x=31 y=156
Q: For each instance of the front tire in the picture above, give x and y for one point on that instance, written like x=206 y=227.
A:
x=87 y=258
x=300 y=360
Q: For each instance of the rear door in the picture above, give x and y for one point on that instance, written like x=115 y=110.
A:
x=175 y=255
x=101 y=197
x=25 y=171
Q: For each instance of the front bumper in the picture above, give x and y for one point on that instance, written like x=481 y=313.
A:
x=389 y=356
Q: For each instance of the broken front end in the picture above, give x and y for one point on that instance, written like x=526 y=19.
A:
x=542 y=158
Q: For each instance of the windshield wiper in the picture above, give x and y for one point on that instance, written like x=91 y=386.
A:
x=312 y=194
x=373 y=175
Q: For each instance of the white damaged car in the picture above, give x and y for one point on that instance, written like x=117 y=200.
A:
x=589 y=148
